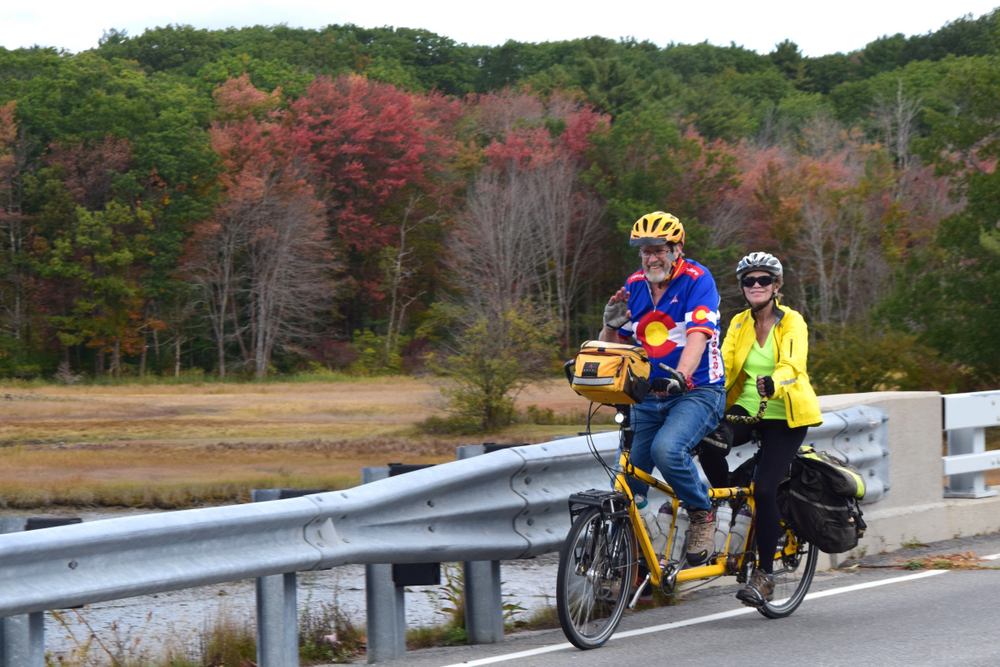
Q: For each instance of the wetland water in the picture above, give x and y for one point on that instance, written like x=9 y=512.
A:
x=146 y=627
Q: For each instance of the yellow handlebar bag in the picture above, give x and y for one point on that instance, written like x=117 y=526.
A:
x=610 y=373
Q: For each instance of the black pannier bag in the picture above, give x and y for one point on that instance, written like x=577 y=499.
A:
x=820 y=501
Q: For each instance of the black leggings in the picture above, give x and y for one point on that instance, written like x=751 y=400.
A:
x=779 y=443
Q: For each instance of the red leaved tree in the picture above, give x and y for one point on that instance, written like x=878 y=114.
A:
x=88 y=169
x=262 y=263
x=380 y=156
x=366 y=144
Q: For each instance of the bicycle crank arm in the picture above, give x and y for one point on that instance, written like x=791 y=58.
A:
x=638 y=593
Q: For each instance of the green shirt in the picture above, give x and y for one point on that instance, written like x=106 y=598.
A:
x=760 y=361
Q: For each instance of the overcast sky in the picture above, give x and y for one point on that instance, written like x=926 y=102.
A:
x=817 y=27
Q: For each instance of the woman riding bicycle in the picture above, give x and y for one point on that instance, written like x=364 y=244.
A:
x=764 y=353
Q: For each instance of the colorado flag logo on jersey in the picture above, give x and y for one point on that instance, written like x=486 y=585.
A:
x=654 y=332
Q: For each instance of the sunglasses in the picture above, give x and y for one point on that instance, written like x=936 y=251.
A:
x=763 y=281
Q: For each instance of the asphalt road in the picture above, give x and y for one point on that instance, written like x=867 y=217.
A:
x=874 y=613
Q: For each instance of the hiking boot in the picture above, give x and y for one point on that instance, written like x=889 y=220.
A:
x=759 y=589
x=700 y=536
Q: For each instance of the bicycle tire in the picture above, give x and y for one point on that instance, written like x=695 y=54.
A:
x=793 y=574
x=596 y=572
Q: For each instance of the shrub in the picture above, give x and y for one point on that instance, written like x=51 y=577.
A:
x=491 y=360
x=373 y=357
x=847 y=359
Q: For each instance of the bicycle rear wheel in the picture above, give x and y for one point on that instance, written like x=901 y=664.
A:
x=793 y=573
x=596 y=572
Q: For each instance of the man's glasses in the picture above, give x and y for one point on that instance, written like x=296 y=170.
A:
x=656 y=250
x=763 y=281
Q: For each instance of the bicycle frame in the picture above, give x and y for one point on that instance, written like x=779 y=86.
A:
x=608 y=539
x=720 y=566
x=725 y=563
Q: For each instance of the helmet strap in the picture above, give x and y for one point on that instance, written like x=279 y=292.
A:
x=754 y=311
x=675 y=256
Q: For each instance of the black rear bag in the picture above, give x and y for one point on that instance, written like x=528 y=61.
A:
x=817 y=503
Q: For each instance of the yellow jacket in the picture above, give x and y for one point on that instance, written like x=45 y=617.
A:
x=791 y=383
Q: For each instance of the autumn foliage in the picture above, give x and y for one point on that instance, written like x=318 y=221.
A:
x=276 y=200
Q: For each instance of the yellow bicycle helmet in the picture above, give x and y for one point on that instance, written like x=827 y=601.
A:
x=657 y=228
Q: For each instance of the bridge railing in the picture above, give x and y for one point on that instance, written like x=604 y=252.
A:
x=966 y=418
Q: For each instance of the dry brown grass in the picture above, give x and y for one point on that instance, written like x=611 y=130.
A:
x=181 y=445
x=957 y=561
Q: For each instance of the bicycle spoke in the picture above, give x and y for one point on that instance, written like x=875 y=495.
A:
x=595 y=569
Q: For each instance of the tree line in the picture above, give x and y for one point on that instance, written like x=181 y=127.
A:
x=269 y=200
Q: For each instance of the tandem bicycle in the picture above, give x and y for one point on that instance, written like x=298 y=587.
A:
x=608 y=558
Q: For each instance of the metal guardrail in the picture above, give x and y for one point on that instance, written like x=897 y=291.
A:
x=510 y=504
x=966 y=418
x=506 y=505
x=858 y=436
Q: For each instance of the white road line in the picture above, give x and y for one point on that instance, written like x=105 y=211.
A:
x=747 y=610
x=874 y=584
x=515 y=656
x=704 y=619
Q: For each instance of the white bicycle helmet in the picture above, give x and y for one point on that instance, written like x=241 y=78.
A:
x=759 y=261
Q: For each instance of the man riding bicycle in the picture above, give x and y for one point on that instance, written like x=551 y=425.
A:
x=671 y=307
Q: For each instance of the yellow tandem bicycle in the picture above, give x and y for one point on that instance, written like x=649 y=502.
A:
x=608 y=558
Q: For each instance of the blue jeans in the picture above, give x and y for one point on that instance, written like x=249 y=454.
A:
x=666 y=430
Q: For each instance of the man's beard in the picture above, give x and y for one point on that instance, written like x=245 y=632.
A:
x=661 y=273
x=657 y=275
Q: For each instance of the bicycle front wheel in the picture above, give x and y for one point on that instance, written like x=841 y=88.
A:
x=794 y=567
x=596 y=571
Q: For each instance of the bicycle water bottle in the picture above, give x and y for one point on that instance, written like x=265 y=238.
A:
x=664 y=517
x=723 y=516
x=655 y=528
x=740 y=529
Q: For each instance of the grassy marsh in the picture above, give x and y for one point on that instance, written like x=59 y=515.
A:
x=179 y=445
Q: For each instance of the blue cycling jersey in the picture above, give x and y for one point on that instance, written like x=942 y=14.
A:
x=690 y=303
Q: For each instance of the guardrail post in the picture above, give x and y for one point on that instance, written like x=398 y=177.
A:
x=277 y=605
x=277 y=621
x=483 y=601
x=385 y=610
x=22 y=640
x=385 y=614
x=385 y=586
x=483 y=595
x=22 y=637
